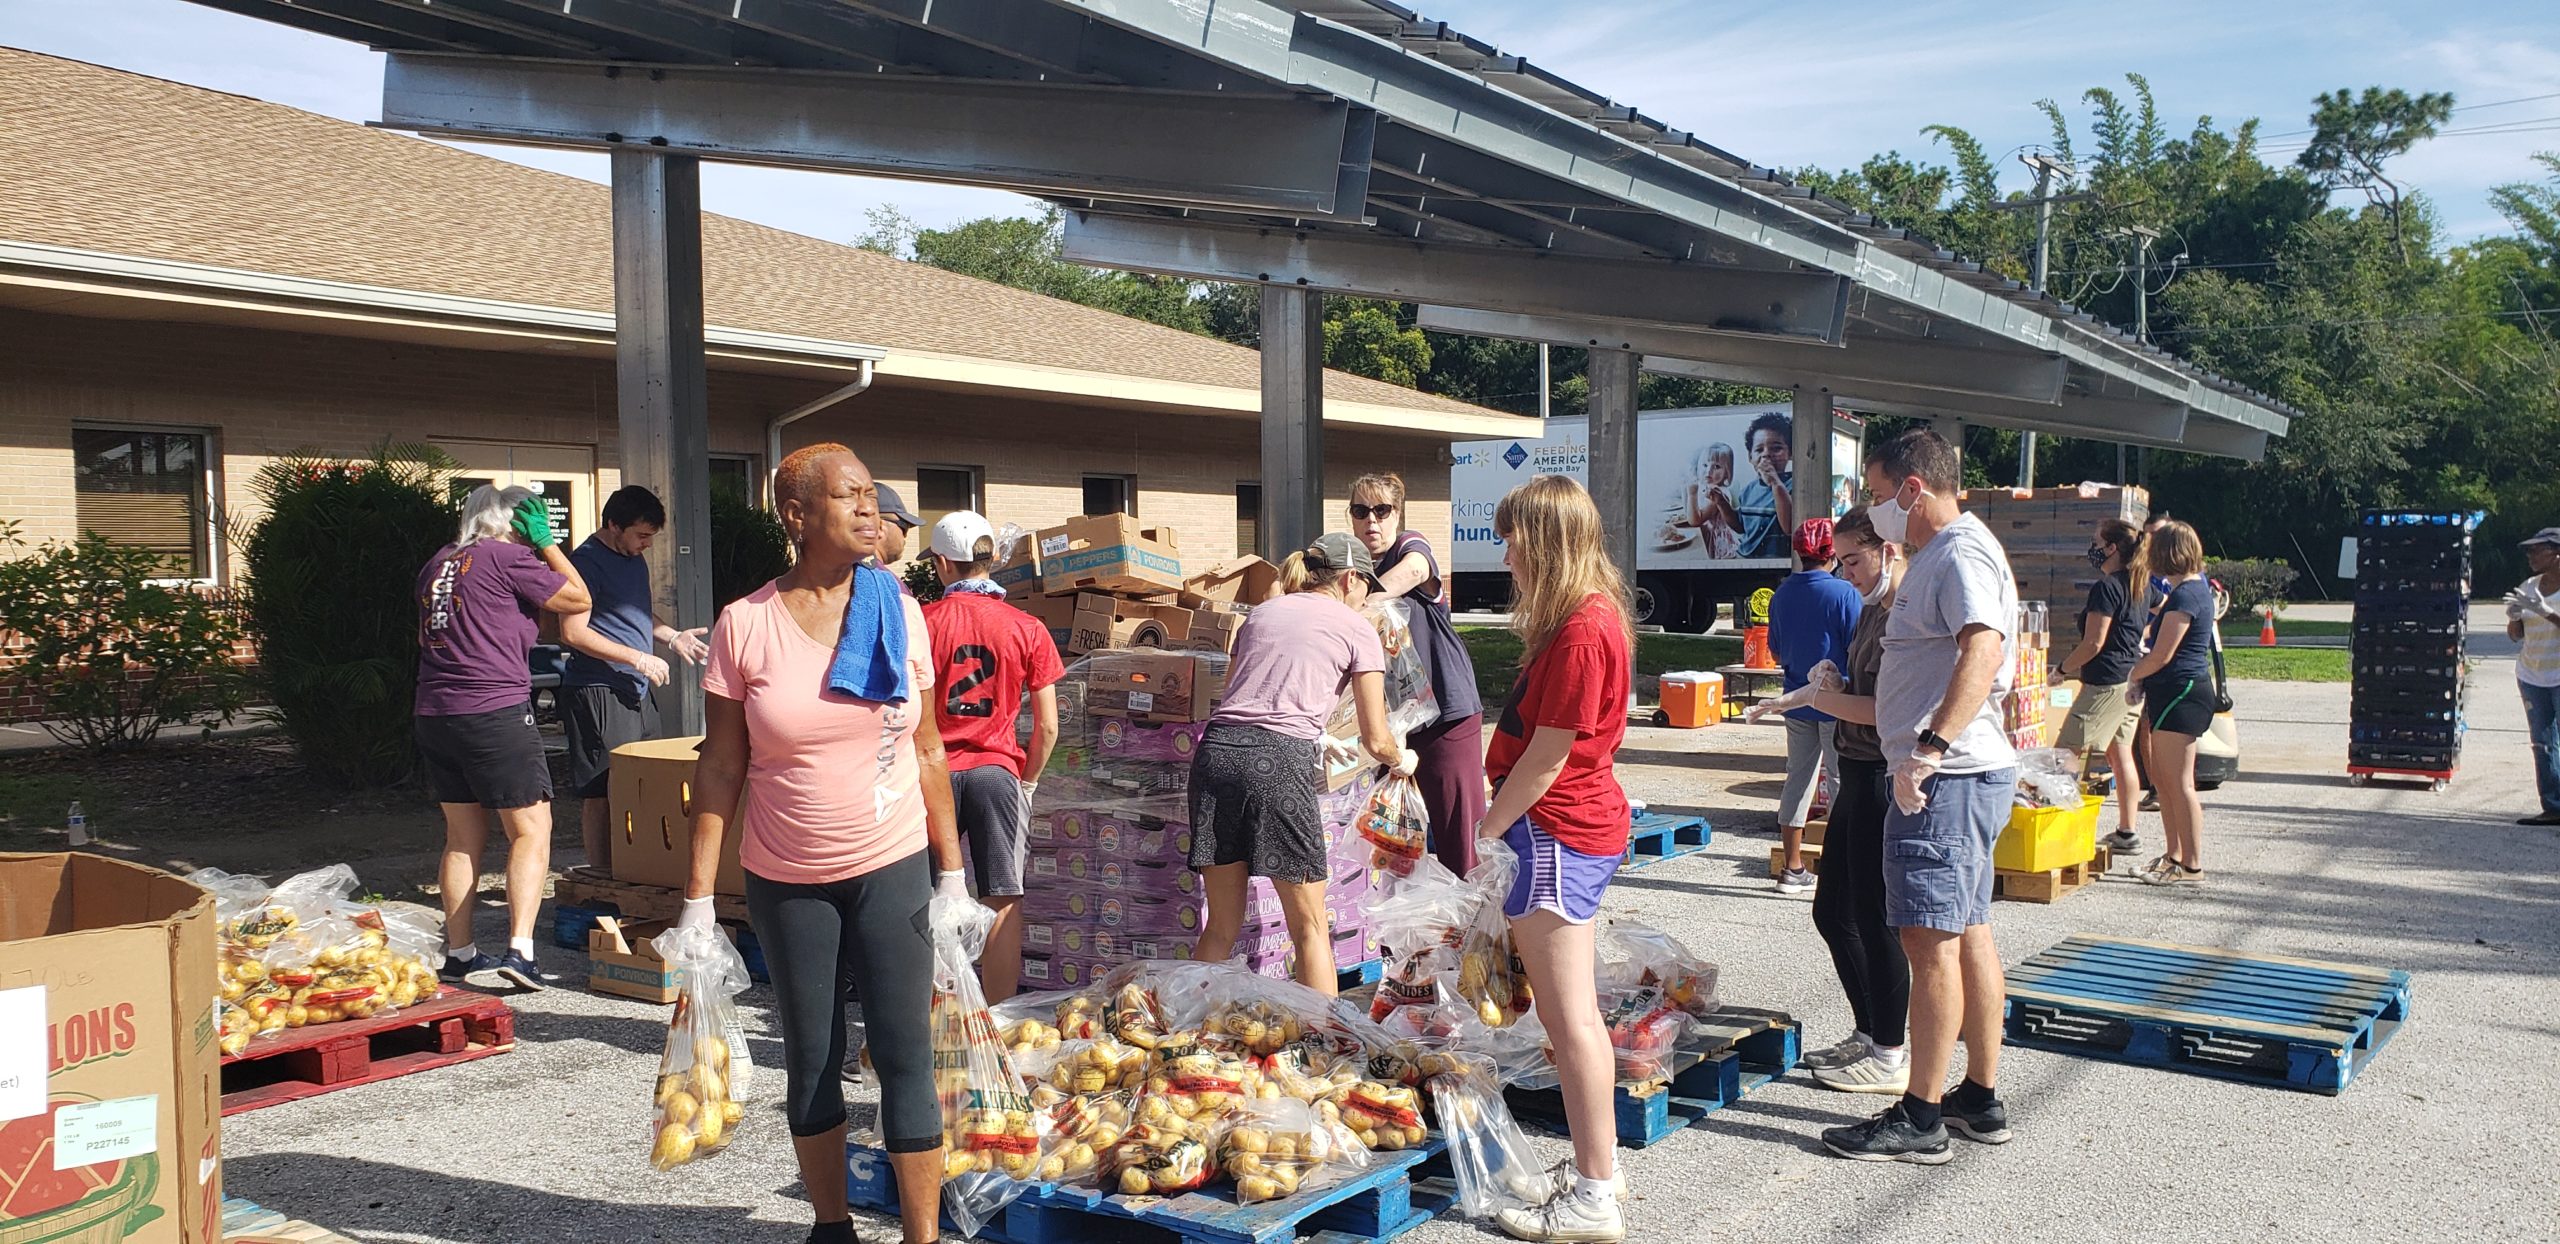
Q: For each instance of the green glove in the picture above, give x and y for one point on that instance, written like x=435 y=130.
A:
x=533 y=522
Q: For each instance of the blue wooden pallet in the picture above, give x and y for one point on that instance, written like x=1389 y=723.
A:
x=1656 y=836
x=570 y=923
x=2294 y=1023
x=1759 y=1046
x=1382 y=1203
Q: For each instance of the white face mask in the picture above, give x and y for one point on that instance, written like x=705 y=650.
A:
x=1892 y=518
x=1884 y=581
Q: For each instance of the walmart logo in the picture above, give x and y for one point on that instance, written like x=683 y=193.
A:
x=1515 y=455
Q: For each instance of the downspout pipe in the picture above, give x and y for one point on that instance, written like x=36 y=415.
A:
x=773 y=429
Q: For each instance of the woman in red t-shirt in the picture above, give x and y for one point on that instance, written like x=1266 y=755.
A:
x=1557 y=803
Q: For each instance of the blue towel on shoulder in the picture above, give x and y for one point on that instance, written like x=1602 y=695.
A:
x=871 y=658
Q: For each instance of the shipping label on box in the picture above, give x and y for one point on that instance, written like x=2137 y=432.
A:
x=110 y=1068
x=1109 y=553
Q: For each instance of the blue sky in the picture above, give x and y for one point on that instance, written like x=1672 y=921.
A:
x=1785 y=85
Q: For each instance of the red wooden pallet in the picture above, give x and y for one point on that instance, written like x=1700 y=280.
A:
x=457 y=1026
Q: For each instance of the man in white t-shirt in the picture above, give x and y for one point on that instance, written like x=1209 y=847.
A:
x=2533 y=621
x=1948 y=653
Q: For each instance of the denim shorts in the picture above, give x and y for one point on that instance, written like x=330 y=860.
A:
x=1937 y=865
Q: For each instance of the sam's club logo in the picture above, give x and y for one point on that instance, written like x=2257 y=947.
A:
x=1515 y=455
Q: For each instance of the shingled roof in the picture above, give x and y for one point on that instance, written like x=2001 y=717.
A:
x=103 y=160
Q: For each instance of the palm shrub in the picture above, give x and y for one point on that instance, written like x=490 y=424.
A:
x=333 y=574
x=113 y=656
x=747 y=547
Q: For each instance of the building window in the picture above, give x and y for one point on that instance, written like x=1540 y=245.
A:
x=734 y=476
x=1248 y=519
x=149 y=489
x=943 y=489
x=1111 y=494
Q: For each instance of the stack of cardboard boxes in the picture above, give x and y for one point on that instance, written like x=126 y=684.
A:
x=2047 y=533
x=2023 y=709
x=1103 y=581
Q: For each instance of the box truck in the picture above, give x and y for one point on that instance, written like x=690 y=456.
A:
x=1711 y=528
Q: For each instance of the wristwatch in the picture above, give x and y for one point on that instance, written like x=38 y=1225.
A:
x=1929 y=739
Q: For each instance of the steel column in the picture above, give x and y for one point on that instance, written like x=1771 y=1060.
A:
x=1951 y=430
x=1292 y=419
x=1611 y=431
x=1812 y=452
x=660 y=388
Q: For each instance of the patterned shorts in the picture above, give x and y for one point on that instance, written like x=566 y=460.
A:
x=1253 y=802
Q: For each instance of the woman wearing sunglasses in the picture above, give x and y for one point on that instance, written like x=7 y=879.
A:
x=1451 y=750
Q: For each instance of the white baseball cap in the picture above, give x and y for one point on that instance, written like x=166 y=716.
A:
x=958 y=534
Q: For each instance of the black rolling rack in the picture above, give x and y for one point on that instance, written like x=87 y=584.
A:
x=2413 y=593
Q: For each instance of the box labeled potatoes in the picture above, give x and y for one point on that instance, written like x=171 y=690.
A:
x=110 y=1071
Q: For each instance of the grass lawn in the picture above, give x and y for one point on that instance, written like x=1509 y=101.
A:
x=2239 y=629
x=1497 y=656
x=2288 y=664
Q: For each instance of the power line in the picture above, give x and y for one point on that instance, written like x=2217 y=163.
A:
x=2399 y=319
x=2498 y=103
x=2530 y=125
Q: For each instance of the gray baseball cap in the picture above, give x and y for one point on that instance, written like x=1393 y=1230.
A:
x=1337 y=551
x=894 y=507
x=2548 y=535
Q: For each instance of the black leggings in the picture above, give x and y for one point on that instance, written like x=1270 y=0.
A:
x=1848 y=905
x=870 y=929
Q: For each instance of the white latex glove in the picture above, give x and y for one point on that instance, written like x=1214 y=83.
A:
x=2516 y=608
x=697 y=913
x=1408 y=760
x=1825 y=676
x=1028 y=790
x=1910 y=780
x=652 y=667
x=1798 y=698
x=688 y=644
x=953 y=885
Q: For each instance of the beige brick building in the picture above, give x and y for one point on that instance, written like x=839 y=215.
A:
x=193 y=284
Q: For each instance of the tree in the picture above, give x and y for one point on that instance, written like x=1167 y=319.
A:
x=2354 y=137
x=1028 y=252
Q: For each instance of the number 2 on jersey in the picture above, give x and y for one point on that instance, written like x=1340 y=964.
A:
x=971 y=666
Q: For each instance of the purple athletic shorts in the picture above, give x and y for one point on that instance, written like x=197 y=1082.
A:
x=1555 y=876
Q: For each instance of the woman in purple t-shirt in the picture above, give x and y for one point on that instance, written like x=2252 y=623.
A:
x=1254 y=807
x=479 y=601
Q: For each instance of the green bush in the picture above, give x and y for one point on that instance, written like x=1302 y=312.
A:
x=113 y=656
x=2253 y=582
x=923 y=581
x=748 y=548
x=333 y=589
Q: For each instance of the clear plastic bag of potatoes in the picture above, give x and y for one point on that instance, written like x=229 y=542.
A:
x=703 y=1075
x=1282 y=1147
x=1489 y=1154
x=1082 y=1132
x=991 y=1130
x=1163 y=1153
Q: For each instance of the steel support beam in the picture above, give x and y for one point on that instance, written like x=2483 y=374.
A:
x=1915 y=364
x=1288 y=155
x=1812 y=452
x=1697 y=297
x=660 y=388
x=1951 y=430
x=1611 y=431
x=1292 y=419
x=2133 y=422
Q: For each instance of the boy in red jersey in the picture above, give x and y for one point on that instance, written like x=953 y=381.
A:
x=988 y=656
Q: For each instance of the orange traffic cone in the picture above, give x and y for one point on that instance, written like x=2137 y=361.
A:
x=2267 y=629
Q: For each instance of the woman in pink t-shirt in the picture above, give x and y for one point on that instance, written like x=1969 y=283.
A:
x=1254 y=810
x=841 y=797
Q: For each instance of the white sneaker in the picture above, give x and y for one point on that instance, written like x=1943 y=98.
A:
x=1850 y=1049
x=1871 y=1074
x=1557 y=1181
x=1567 y=1218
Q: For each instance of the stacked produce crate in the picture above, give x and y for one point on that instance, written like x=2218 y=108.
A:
x=2022 y=711
x=2047 y=533
x=2413 y=588
x=1102 y=581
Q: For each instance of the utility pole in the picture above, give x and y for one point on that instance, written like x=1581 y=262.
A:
x=2142 y=240
x=2045 y=166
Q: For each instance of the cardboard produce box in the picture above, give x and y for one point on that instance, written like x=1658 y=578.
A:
x=1244 y=580
x=624 y=964
x=1109 y=553
x=650 y=798
x=110 y=1075
x=1215 y=630
x=1154 y=686
x=1019 y=575
x=1056 y=613
x=1113 y=622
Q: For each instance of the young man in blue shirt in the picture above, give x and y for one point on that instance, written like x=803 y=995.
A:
x=604 y=696
x=1811 y=617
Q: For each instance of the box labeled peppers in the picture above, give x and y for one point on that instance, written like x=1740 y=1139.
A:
x=110 y=1075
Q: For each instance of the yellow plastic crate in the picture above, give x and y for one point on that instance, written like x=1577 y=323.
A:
x=2037 y=839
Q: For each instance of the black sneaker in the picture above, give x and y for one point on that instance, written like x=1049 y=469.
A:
x=459 y=971
x=2122 y=842
x=513 y=969
x=1888 y=1137
x=1987 y=1123
x=2150 y=801
x=852 y=1068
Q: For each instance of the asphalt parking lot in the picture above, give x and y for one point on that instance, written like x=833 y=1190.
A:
x=2446 y=1136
